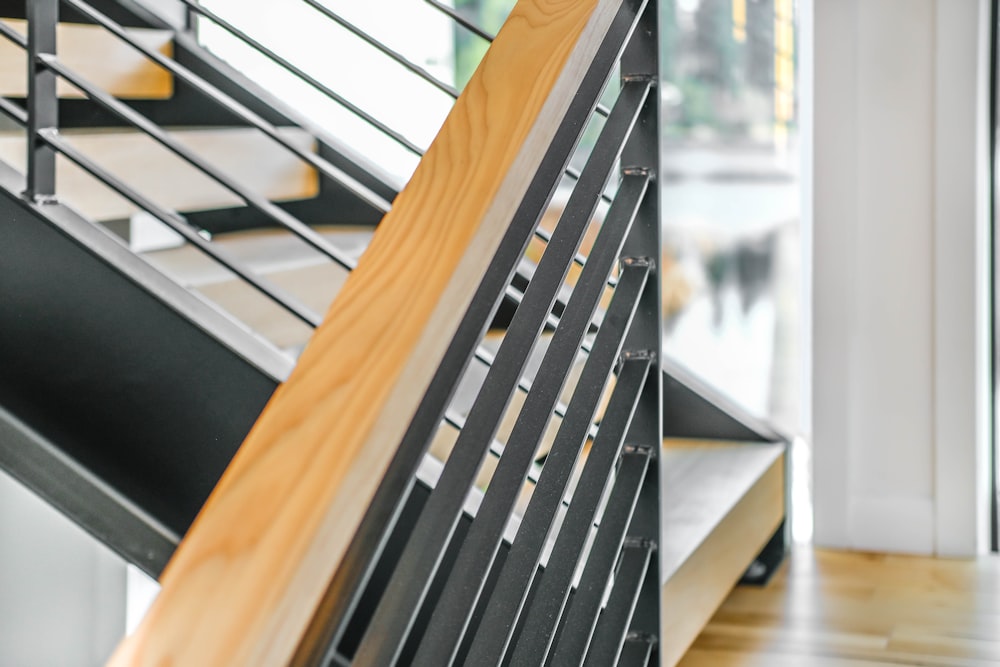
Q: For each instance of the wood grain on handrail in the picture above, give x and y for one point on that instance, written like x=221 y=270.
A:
x=247 y=578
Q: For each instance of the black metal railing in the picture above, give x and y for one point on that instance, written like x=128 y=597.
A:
x=45 y=67
x=227 y=25
x=459 y=592
x=520 y=601
x=198 y=10
x=45 y=141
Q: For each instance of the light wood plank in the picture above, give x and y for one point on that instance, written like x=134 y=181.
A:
x=703 y=481
x=276 y=255
x=245 y=581
x=843 y=609
x=244 y=154
x=99 y=57
x=720 y=506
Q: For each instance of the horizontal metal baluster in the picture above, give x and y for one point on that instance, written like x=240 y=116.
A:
x=305 y=76
x=13 y=35
x=173 y=220
x=14 y=111
x=154 y=131
x=394 y=55
x=343 y=101
x=461 y=20
x=460 y=595
x=421 y=557
x=581 y=615
x=550 y=488
x=234 y=107
x=476 y=615
x=551 y=321
x=612 y=626
x=543 y=615
x=221 y=99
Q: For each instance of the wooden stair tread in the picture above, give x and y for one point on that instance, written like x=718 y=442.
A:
x=702 y=482
x=276 y=255
x=244 y=154
x=722 y=502
x=99 y=57
x=263 y=251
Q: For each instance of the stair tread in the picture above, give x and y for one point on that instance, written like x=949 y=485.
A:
x=702 y=482
x=722 y=502
x=247 y=156
x=262 y=251
x=277 y=256
x=98 y=56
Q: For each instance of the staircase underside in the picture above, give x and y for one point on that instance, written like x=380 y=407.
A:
x=119 y=378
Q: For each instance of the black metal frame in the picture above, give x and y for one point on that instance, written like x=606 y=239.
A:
x=994 y=277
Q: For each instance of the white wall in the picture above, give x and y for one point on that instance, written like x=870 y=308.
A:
x=896 y=294
x=62 y=594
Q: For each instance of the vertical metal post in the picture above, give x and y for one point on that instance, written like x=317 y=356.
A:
x=191 y=21
x=994 y=244
x=640 y=59
x=43 y=104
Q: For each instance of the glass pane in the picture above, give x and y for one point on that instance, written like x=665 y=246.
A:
x=732 y=260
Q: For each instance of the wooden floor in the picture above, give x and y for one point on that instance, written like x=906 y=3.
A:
x=838 y=609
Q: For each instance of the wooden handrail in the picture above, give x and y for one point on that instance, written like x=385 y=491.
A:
x=247 y=578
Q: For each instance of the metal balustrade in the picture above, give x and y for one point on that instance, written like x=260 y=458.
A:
x=41 y=181
x=500 y=603
x=44 y=141
x=579 y=581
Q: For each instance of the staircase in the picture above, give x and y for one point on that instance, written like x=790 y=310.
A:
x=135 y=360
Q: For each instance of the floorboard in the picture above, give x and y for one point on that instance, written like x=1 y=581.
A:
x=849 y=609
